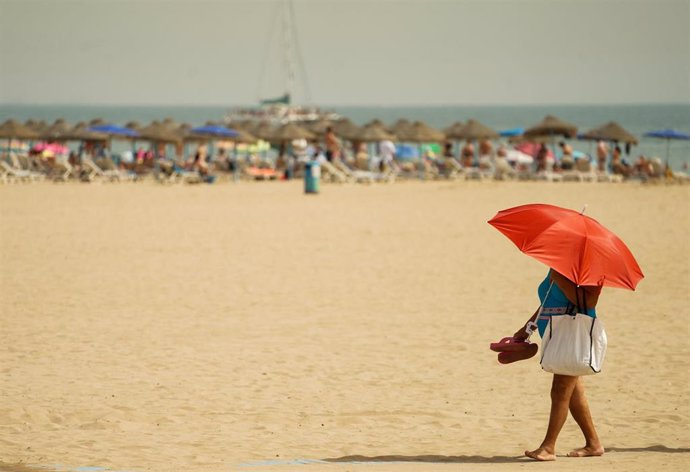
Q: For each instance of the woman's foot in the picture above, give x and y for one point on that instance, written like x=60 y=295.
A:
x=541 y=454
x=587 y=451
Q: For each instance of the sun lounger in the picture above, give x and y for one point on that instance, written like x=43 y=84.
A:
x=23 y=165
x=113 y=174
x=332 y=173
x=10 y=174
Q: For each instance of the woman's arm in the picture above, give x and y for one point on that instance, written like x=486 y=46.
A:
x=570 y=290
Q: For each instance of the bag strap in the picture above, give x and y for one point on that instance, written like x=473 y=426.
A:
x=531 y=326
x=580 y=308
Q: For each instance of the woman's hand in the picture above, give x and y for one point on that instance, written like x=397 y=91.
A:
x=521 y=334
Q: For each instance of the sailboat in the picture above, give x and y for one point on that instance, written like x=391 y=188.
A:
x=281 y=109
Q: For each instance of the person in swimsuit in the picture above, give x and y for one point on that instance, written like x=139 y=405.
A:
x=560 y=296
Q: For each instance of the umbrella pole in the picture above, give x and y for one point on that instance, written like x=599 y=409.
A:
x=235 y=168
x=476 y=153
x=422 y=172
x=668 y=150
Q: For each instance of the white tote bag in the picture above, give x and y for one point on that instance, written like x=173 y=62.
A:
x=573 y=345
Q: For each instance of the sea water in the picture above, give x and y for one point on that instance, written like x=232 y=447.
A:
x=637 y=119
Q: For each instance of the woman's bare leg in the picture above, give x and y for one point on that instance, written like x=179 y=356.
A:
x=580 y=411
x=561 y=392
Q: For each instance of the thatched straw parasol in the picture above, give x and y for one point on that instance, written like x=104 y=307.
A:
x=552 y=126
x=58 y=131
x=374 y=132
x=401 y=128
x=420 y=132
x=290 y=132
x=244 y=137
x=80 y=132
x=158 y=132
x=263 y=130
x=320 y=127
x=346 y=128
x=12 y=129
x=611 y=131
x=473 y=129
x=453 y=129
x=377 y=122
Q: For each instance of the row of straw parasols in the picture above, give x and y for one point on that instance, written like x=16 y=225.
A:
x=168 y=131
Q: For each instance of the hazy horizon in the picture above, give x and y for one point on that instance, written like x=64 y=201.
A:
x=353 y=53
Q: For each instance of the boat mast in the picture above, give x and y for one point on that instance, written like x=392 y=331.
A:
x=283 y=25
x=288 y=51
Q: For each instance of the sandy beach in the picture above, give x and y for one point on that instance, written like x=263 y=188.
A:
x=251 y=327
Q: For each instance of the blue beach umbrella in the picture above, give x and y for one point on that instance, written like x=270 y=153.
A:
x=668 y=134
x=115 y=130
x=512 y=132
x=218 y=132
x=215 y=131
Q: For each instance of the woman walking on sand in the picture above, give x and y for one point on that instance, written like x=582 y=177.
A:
x=559 y=295
x=583 y=256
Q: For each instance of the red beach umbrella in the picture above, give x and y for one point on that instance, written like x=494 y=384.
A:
x=575 y=245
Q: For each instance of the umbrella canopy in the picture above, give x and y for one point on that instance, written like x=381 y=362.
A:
x=215 y=131
x=422 y=133
x=611 y=131
x=290 y=132
x=320 y=127
x=80 y=132
x=14 y=130
x=244 y=137
x=346 y=128
x=377 y=122
x=373 y=132
x=401 y=128
x=575 y=245
x=114 y=130
x=453 y=129
x=552 y=126
x=35 y=125
x=512 y=132
x=51 y=148
x=58 y=131
x=473 y=129
x=264 y=131
x=135 y=125
x=158 y=132
x=667 y=134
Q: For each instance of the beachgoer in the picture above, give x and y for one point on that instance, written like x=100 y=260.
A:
x=199 y=162
x=362 y=157
x=618 y=166
x=567 y=160
x=332 y=145
x=486 y=148
x=542 y=156
x=559 y=295
x=602 y=155
x=448 y=149
x=468 y=154
x=387 y=153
